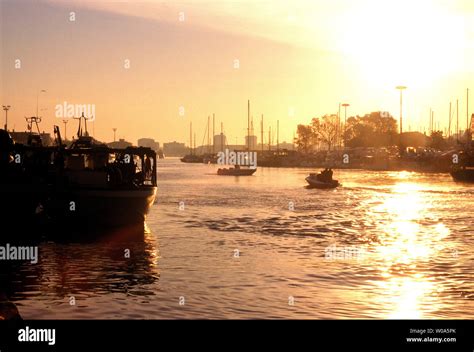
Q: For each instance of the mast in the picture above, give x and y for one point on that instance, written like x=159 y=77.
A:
x=449 y=125
x=222 y=136
x=208 y=135
x=261 y=132
x=191 y=138
x=338 y=125
x=270 y=138
x=278 y=136
x=429 y=124
x=467 y=109
x=248 y=125
x=433 y=125
x=213 y=131
x=457 y=120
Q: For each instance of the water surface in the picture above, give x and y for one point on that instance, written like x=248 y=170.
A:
x=260 y=247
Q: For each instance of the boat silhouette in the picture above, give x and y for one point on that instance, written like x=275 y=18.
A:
x=86 y=183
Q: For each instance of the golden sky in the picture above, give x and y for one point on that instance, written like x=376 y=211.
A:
x=297 y=60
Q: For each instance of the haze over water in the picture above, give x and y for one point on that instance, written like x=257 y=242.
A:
x=236 y=250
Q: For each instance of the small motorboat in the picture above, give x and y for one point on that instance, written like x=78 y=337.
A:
x=236 y=171
x=315 y=182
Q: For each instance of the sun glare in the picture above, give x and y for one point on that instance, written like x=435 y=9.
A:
x=414 y=42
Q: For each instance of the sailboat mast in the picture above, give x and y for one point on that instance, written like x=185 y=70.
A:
x=248 y=125
x=191 y=138
x=457 y=119
x=208 y=134
x=278 y=136
x=449 y=125
x=270 y=138
x=467 y=109
x=213 y=131
x=261 y=132
x=222 y=136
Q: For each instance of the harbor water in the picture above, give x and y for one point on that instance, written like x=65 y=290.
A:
x=384 y=245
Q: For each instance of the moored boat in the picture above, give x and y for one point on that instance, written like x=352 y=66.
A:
x=236 y=171
x=87 y=183
x=465 y=174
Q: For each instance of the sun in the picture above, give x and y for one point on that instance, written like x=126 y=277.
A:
x=409 y=42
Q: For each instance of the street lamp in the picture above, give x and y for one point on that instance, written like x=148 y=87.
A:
x=401 y=89
x=65 y=129
x=345 y=105
x=37 y=101
x=6 y=108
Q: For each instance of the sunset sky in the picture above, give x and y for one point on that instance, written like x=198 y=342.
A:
x=304 y=57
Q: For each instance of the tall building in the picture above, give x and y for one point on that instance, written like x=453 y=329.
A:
x=253 y=142
x=220 y=142
x=149 y=143
x=175 y=149
x=120 y=144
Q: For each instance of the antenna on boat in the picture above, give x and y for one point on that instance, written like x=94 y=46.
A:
x=33 y=120
x=79 y=130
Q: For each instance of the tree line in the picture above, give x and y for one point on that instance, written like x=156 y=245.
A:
x=376 y=129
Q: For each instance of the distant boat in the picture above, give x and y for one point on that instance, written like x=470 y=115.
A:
x=192 y=158
x=236 y=171
x=313 y=181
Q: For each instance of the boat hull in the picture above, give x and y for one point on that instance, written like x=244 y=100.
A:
x=463 y=175
x=26 y=207
x=236 y=172
x=314 y=183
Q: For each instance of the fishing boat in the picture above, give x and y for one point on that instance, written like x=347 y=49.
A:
x=463 y=170
x=87 y=183
x=192 y=158
x=236 y=171
x=315 y=182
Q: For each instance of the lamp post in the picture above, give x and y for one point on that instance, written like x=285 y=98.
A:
x=345 y=105
x=37 y=101
x=6 y=108
x=65 y=129
x=401 y=89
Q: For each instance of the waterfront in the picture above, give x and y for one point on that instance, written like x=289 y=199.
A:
x=256 y=247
